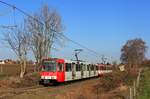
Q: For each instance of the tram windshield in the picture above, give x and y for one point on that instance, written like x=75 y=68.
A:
x=49 y=65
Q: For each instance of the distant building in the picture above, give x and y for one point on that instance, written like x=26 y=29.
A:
x=9 y=61
x=2 y=62
x=122 y=67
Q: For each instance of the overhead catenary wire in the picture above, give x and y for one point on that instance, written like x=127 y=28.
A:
x=14 y=16
x=96 y=53
x=14 y=7
x=26 y=14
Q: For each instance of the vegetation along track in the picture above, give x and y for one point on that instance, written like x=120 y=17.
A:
x=8 y=94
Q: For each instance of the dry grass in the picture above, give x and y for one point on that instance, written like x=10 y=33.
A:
x=14 y=69
x=110 y=86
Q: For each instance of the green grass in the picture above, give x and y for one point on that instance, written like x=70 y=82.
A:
x=144 y=89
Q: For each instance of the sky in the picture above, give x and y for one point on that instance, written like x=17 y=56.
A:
x=101 y=25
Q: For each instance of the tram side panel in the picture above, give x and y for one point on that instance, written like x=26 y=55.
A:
x=78 y=71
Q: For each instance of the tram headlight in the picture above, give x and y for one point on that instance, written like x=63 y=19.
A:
x=53 y=77
x=42 y=77
x=48 y=77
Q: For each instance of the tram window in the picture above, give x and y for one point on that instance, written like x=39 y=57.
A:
x=109 y=68
x=87 y=67
x=82 y=66
x=73 y=66
x=102 y=68
x=78 y=67
x=92 y=67
x=96 y=67
x=68 y=67
x=60 y=67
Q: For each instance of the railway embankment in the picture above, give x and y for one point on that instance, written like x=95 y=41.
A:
x=114 y=85
x=27 y=88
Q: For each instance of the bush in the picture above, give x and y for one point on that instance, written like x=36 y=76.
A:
x=33 y=77
x=115 y=79
x=130 y=76
x=29 y=80
x=109 y=81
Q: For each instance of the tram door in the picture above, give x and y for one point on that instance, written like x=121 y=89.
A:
x=82 y=70
x=73 y=70
x=89 y=69
x=60 y=73
x=94 y=70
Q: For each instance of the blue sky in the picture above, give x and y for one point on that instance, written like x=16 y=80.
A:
x=101 y=25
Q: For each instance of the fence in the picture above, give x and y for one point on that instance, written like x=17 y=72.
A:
x=133 y=89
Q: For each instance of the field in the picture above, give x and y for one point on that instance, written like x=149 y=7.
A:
x=13 y=69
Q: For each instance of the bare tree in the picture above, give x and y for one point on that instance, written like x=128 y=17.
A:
x=45 y=29
x=133 y=52
x=17 y=39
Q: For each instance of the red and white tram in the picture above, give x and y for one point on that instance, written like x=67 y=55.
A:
x=55 y=70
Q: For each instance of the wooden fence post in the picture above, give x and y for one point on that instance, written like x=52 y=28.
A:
x=134 y=90
x=131 y=93
x=138 y=78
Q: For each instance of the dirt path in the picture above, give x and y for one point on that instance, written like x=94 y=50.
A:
x=76 y=90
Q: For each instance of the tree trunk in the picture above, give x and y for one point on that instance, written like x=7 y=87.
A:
x=23 y=68
x=39 y=64
x=22 y=74
x=36 y=65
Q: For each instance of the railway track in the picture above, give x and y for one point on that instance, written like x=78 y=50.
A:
x=15 y=91
x=8 y=94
